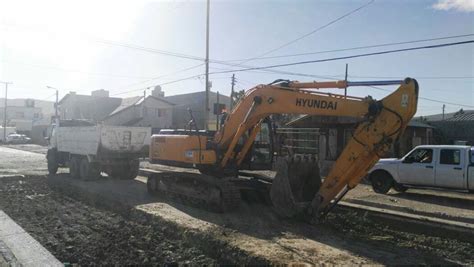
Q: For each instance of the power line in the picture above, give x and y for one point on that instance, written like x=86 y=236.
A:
x=311 y=32
x=161 y=84
x=357 y=47
x=417 y=77
x=77 y=71
x=349 y=57
x=162 y=76
x=324 y=60
x=428 y=99
x=227 y=63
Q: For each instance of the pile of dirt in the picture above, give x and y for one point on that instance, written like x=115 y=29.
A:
x=78 y=233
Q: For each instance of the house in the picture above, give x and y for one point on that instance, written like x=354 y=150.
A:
x=153 y=111
x=94 y=107
x=330 y=134
x=456 y=127
x=21 y=114
x=196 y=102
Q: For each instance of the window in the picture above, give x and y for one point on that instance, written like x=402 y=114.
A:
x=422 y=155
x=450 y=156
x=19 y=115
x=161 y=112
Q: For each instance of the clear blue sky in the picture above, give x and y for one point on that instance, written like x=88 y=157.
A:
x=61 y=44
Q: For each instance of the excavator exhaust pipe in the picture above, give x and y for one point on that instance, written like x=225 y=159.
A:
x=295 y=185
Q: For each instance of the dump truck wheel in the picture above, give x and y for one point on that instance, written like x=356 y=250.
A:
x=381 y=182
x=89 y=171
x=128 y=170
x=134 y=167
x=51 y=157
x=151 y=184
x=74 y=167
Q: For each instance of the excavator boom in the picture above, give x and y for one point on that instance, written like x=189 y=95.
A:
x=297 y=188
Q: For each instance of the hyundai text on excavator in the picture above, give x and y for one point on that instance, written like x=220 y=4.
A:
x=297 y=189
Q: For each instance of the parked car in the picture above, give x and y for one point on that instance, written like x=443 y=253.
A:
x=440 y=166
x=18 y=139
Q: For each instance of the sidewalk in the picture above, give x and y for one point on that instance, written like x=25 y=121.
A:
x=18 y=248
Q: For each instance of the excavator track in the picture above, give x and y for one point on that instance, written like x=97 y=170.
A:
x=198 y=190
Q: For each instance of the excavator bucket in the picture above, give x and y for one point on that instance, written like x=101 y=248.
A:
x=296 y=183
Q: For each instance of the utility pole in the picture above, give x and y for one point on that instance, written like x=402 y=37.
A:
x=206 y=112
x=444 y=106
x=217 y=113
x=143 y=103
x=5 y=112
x=232 y=93
x=345 y=89
x=56 y=105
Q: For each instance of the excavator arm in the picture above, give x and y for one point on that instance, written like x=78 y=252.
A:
x=382 y=122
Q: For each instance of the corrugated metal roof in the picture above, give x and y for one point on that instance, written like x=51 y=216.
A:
x=126 y=102
x=440 y=117
x=464 y=116
x=414 y=123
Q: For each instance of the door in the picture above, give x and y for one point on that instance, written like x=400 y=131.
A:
x=417 y=168
x=449 y=172
x=260 y=156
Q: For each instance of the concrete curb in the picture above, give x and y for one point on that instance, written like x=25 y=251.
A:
x=19 y=248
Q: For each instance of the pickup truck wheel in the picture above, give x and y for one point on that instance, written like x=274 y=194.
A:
x=89 y=171
x=381 y=182
x=74 y=167
x=52 y=159
x=399 y=187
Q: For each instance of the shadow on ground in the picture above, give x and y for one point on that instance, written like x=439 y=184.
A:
x=349 y=232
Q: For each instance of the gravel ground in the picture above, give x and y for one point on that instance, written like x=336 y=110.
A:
x=78 y=233
x=76 y=230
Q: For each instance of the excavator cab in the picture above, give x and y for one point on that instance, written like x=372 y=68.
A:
x=262 y=152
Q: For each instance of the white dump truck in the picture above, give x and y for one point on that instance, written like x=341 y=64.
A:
x=89 y=149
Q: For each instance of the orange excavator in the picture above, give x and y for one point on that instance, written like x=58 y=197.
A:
x=297 y=188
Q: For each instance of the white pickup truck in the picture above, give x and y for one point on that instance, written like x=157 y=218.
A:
x=89 y=149
x=441 y=166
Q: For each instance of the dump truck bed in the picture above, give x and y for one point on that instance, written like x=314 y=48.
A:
x=103 y=140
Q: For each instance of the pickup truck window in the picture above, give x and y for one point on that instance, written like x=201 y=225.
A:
x=472 y=155
x=422 y=155
x=450 y=156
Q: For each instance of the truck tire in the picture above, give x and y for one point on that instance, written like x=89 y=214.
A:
x=399 y=187
x=381 y=181
x=52 y=158
x=130 y=170
x=74 y=167
x=134 y=167
x=89 y=170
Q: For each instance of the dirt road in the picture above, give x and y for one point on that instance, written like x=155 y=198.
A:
x=79 y=233
x=19 y=162
x=110 y=221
